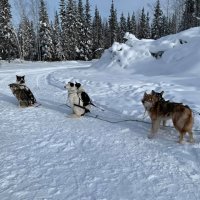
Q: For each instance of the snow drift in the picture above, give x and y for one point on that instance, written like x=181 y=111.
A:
x=180 y=50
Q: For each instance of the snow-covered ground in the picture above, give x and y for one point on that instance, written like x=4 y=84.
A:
x=47 y=156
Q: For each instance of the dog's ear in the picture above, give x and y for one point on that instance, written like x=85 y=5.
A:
x=78 y=85
x=152 y=92
x=162 y=93
x=71 y=84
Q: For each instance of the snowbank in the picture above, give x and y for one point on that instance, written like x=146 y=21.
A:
x=180 y=54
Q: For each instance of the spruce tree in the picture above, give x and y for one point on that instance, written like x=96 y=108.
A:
x=113 y=24
x=156 y=30
x=62 y=13
x=133 y=25
x=63 y=26
x=188 y=19
x=148 y=28
x=165 y=26
x=46 y=45
x=106 y=38
x=173 y=24
x=70 y=41
x=142 y=26
x=88 y=32
x=97 y=34
x=129 y=25
x=27 y=39
x=80 y=26
x=56 y=38
x=33 y=43
x=122 y=28
x=197 y=12
x=9 y=47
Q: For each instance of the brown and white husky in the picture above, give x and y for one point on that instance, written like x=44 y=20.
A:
x=161 y=110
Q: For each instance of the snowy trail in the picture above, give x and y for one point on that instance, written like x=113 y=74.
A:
x=45 y=155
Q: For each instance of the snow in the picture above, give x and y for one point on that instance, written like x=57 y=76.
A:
x=47 y=155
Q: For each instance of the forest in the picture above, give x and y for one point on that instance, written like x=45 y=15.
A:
x=76 y=33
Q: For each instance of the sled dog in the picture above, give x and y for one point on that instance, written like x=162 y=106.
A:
x=77 y=105
x=23 y=94
x=159 y=95
x=20 y=80
x=83 y=96
x=158 y=110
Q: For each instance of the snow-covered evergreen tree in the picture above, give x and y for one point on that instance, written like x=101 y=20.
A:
x=133 y=25
x=113 y=25
x=122 y=28
x=148 y=28
x=129 y=24
x=97 y=34
x=9 y=47
x=46 y=44
x=165 y=30
x=142 y=26
x=173 y=24
x=106 y=39
x=62 y=13
x=80 y=31
x=70 y=40
x=188 y=18
x=156 y=30
x=27 y=39
x=58 y=53
x=197 y=12
x=88 y=32
x=33 y=43
x=63 y=21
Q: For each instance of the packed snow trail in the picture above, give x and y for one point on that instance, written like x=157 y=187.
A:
x=46 y=155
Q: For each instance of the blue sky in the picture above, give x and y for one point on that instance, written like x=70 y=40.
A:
x=124 y=6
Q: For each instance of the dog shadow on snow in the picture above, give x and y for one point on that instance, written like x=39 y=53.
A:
x=9 y=99
x=52 y=105
x=55 y=106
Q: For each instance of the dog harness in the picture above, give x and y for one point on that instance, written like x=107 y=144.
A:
x=85 y=109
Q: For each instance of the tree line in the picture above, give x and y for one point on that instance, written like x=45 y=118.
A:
x=74 y=34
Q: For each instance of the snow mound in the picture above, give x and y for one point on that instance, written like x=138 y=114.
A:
x=172 y=54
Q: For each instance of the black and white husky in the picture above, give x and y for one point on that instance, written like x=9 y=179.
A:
x=76 y=103
x=83 y=95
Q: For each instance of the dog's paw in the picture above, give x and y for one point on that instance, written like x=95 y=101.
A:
x=151 y=136
x=181 y=141
x=191 y=141
x=73 y=116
